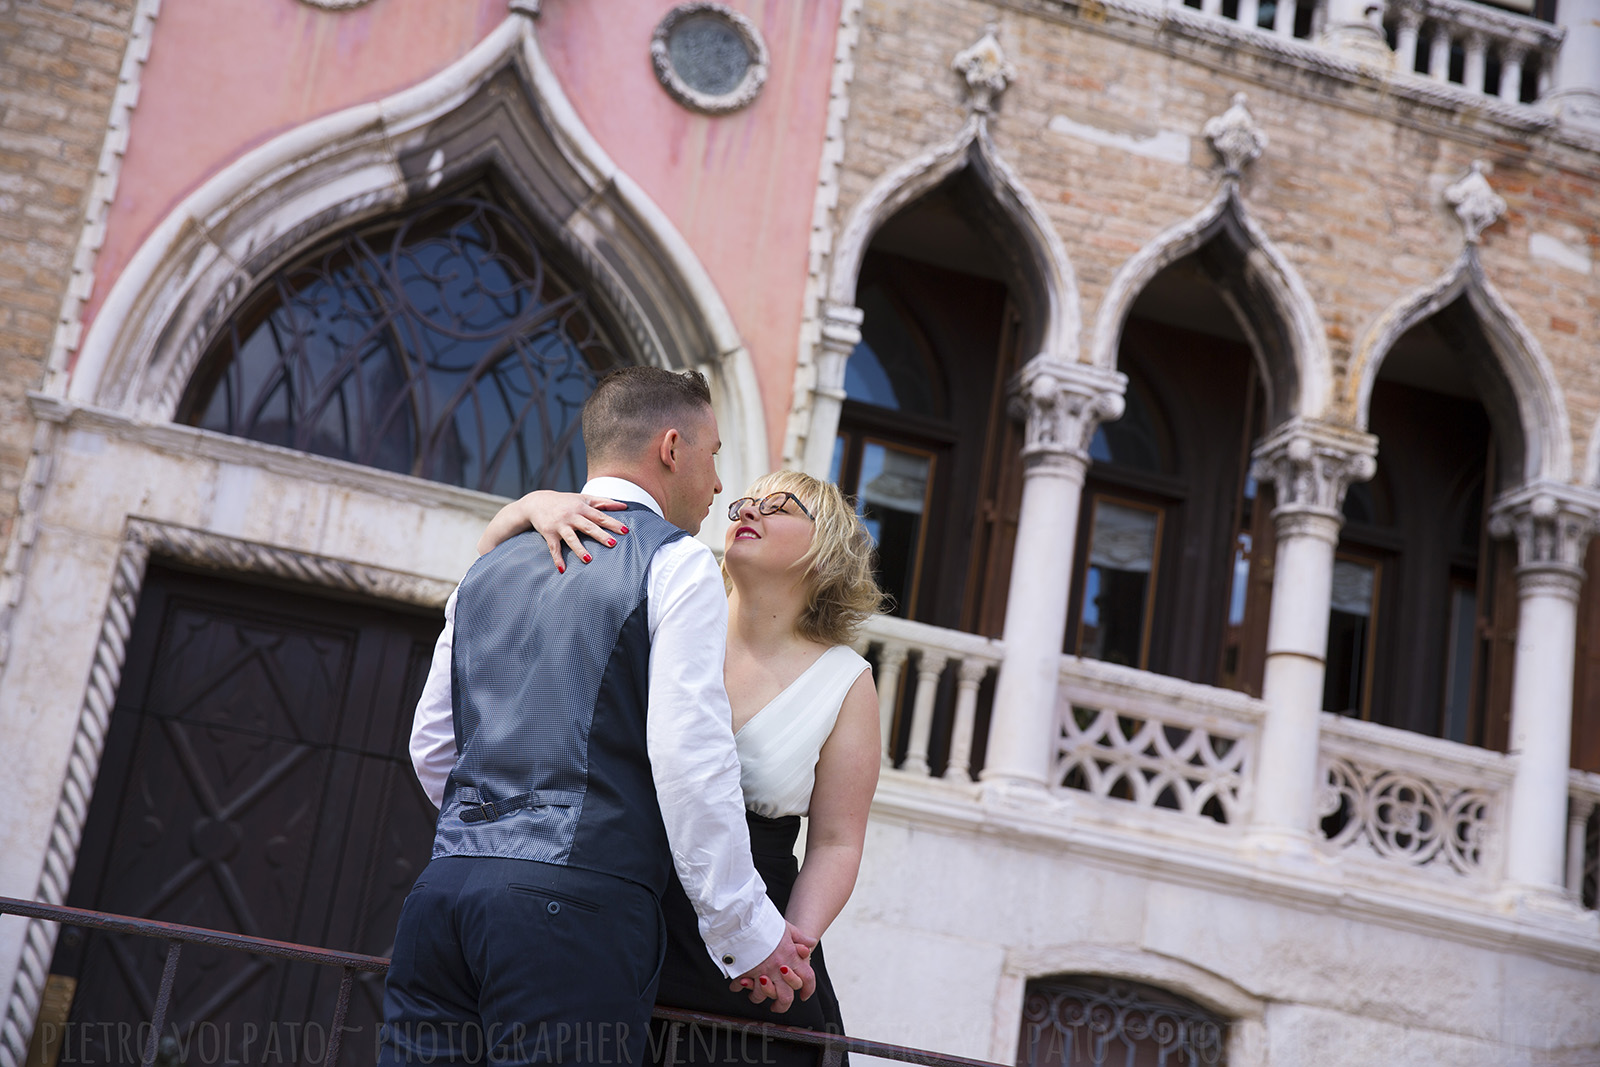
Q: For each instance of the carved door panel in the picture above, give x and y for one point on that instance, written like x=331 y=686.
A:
x=255 y=780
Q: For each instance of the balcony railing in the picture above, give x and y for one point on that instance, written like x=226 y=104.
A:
x=1481 y=49
x=1417 y=802
x=929 y=681
x=161 y=1035
x=1156 y=742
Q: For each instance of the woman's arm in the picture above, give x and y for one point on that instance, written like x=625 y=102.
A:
x=557 y=517
x=847 y=774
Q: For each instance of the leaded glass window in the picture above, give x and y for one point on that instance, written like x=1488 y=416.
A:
x=1090 y=1021
x=439 y=344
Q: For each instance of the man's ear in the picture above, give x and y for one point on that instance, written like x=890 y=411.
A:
x=667 y=450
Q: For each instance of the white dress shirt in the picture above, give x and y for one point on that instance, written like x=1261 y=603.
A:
x=689 y=736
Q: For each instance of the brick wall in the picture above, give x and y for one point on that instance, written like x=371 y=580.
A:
x=1349 y=188
x=59 y=61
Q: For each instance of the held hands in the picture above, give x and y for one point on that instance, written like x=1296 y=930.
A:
x=781 y=974
x=558 y=518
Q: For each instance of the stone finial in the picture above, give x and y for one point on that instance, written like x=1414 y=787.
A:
x=1235 y=137
x=986 y=69
x=529 y=8
x=1477 y=206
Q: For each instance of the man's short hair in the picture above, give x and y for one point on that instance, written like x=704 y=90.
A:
x=630 y=406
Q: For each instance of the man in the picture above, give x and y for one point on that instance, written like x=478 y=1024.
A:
x=575 y=730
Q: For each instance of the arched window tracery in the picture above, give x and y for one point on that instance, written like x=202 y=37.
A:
x=439 y=343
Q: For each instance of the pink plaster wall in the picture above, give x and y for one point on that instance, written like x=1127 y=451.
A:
x=227 y=75
x=740 y=187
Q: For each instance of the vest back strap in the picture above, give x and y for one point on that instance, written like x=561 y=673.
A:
x=537 y=798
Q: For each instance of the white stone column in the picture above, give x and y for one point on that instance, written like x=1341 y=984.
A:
x=1311 y=465
x=841 y=331
x=1062 y=403
x=1575 y=88
x=1552 y=525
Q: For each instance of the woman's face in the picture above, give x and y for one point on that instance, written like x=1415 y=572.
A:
x=767 y=544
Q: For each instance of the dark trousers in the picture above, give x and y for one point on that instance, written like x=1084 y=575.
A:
x=506 y=962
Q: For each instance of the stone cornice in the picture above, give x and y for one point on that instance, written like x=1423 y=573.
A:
x=1176 y=850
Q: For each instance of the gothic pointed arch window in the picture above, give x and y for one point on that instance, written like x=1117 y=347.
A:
x=441 y=342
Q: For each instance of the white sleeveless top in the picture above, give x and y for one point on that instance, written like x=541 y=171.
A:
x=779 y=745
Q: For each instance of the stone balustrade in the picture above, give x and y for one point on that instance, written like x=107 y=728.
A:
x=1283 y=18
x=1482 y=49
x=1399 y=798
x=1156 y=742
x=1583 y=840
x=911 y=661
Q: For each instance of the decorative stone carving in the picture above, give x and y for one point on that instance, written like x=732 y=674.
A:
x=1476 y=205
x=1406 y=818
x=529 y=8
x=986 y=69
x=339 y=5
x=709 y=57
x=1061 y=405
x=1311 y=465
x=1552 y=524
x=1235 y=137
x=841 y=332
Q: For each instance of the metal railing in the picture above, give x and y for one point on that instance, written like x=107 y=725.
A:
x=829 y=1048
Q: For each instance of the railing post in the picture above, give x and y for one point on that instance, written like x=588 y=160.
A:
x=1250 y=14
x=1552 y=525
x=1283 y=18
x=1311 y=465
x=1062 y=404
x=158 y=1020
x=930 y=665
x=1577 y=831
x=891 y=658
x=1511 y=59
x=1476 y=47
x=1439 y=53
x=970 y=676
x=1355 y=27
x=1405 y=48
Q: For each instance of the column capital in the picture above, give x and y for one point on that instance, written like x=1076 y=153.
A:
x=1311 y=464
x=1552 y=524
x=1061 y=405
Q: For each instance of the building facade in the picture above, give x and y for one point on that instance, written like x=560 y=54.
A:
x=1221 y=383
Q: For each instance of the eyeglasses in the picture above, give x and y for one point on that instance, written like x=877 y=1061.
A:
x=771 y=504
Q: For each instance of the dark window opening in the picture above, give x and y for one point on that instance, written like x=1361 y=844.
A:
x=439 y=343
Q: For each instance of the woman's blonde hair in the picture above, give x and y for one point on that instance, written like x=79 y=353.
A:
x=843 y=592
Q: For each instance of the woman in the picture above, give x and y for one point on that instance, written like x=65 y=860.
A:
x=798 y=567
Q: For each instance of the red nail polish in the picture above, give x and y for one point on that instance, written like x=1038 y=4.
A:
x=624 y=529
x=764 y=980
x=586 y=557
x=560 y=569
x=783 y=970
x=611 y=543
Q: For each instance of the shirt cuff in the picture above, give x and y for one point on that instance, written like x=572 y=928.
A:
x=743 y=950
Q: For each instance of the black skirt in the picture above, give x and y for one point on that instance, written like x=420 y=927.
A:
x=689 y=979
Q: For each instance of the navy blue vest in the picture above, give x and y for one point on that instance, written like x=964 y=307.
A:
x=550 y=684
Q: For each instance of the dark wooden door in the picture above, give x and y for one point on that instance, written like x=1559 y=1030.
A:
x=256 y=780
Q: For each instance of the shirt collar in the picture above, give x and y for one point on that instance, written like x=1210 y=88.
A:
x=621 y=489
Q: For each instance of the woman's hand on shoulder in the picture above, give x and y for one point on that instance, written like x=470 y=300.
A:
x=560 y=518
